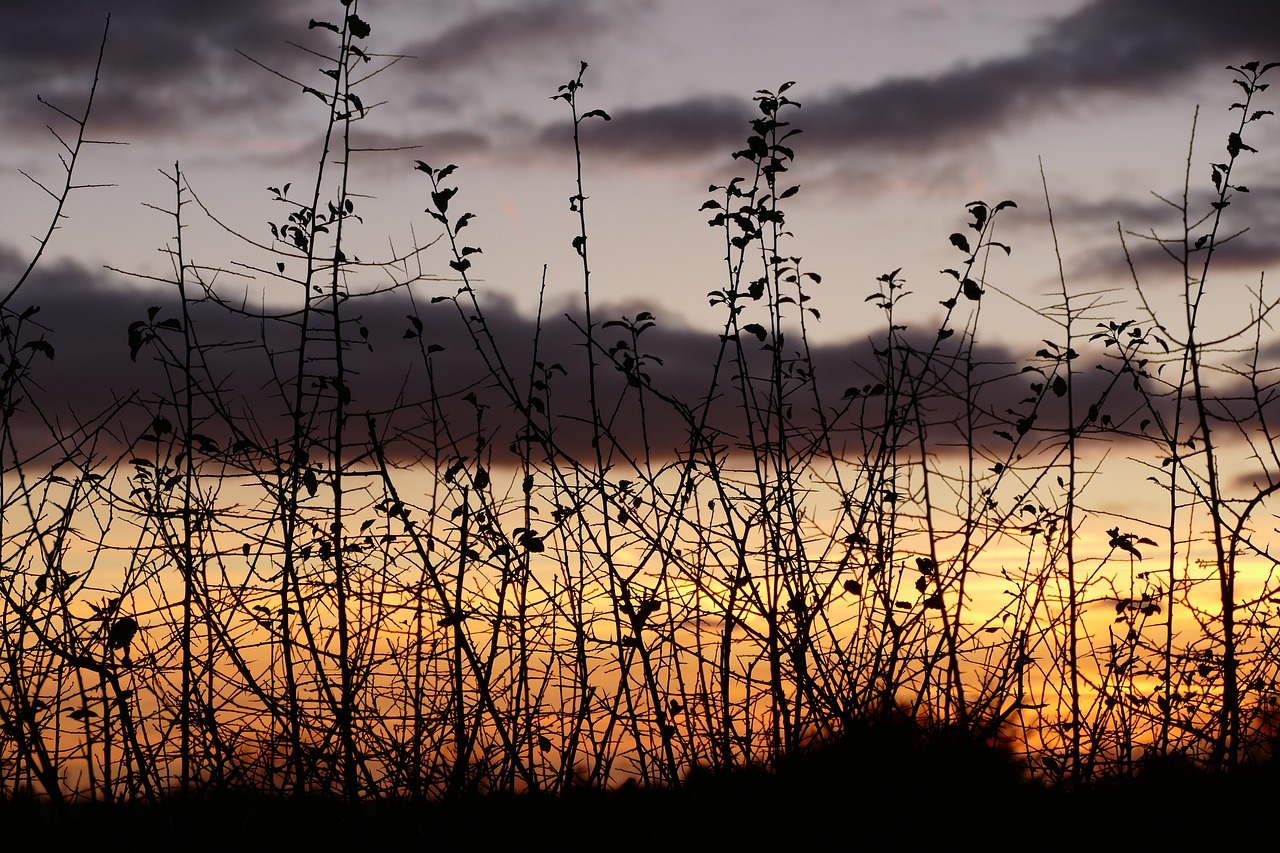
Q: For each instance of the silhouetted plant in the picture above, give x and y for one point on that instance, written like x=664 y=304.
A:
x=496 y=582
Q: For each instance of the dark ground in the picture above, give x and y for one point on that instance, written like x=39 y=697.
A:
x=879 y=793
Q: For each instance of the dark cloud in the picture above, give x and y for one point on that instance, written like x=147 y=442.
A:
x=165 y=62
x=513 y=32
x=1134 y=47
x=85 y=317
x=1153 y=262
x=676 y=131
x=1249 y=234
x=437 y=145
x=396 y=152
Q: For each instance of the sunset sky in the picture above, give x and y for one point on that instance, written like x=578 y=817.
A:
x=911 y=109
x=746 y=494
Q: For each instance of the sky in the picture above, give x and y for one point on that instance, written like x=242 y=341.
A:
x=910 y=109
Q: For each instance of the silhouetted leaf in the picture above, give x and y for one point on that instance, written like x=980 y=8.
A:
x=979 y=213
x=440 y=198
x=1235 y=145
x=41 y=346
x=960 y=241
x=121 y=633
x=358 y=28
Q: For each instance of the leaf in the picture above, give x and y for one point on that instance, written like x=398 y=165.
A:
x=971 y=290
x=313 y=23
x=979 y=212
x=40 y=346
x=122 y=632
x=1235 y=145
x=757 y=330
x=310 y=482
x=358 y=27
x=440 y=198
x=960 y=242
x=596 y=114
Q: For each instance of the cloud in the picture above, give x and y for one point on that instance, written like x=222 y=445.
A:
x=694 y=375
x=383 y=152
x=165 y=62
x=1249 y=235
x=514 y=33
x=1132 y=47
x=668 y=131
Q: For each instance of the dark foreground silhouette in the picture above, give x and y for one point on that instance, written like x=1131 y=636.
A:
x=885 y=785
